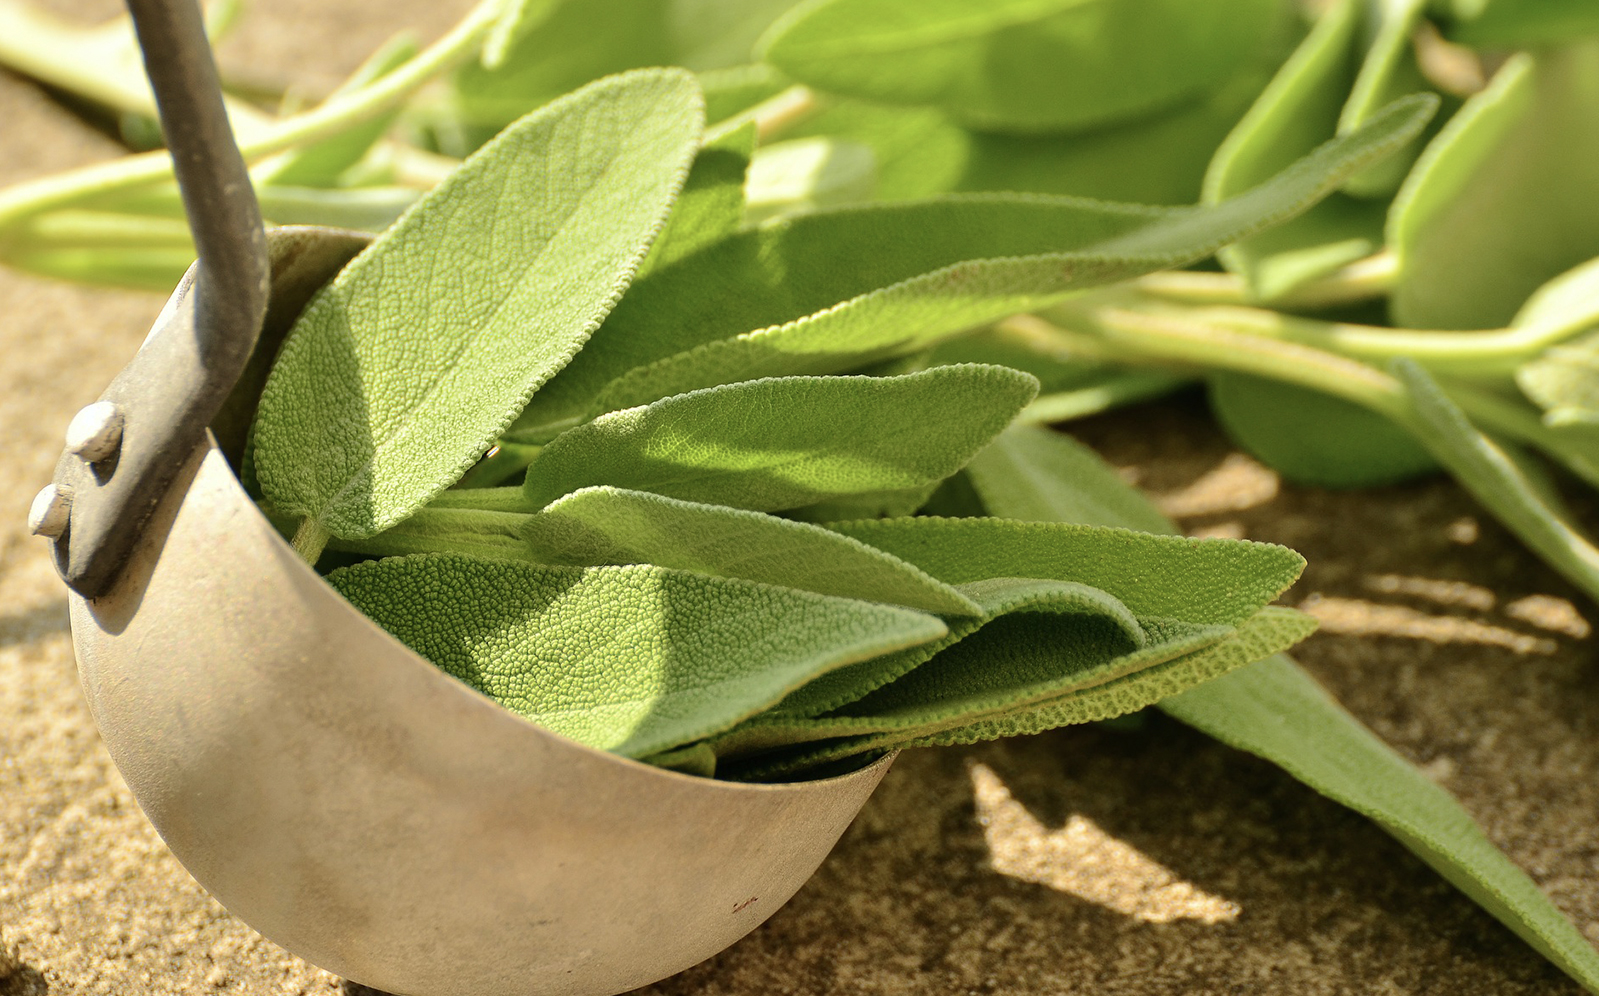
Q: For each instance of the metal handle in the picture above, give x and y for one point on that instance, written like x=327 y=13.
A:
x=124 y=451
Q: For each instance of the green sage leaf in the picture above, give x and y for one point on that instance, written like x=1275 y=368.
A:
x=1275 y=710
x=1505 y=197
x=1039 y=640
x=832 y=290
x=403 y=370
x=1210 y=582
x=1518 y=23
x=598 y=526
x=711 y=206
x=1484 y=468
x=1021 y=65
x=781 y=443
x=635 y=660
x=1314 y=438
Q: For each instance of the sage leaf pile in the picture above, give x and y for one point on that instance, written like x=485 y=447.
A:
x=603 y=537
x=690 y=401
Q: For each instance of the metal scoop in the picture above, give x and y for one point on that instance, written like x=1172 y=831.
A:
x=334 y=790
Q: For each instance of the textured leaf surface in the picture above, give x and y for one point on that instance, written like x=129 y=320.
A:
x=635 y=660
x=1277 y=711
x=1268 y=632
x=1025 y=65
x=401 y=372
x=1038 y=475
x=785 y=442
x=598 y=526
x=1215 y=582
x=1041 y=640
x=829 y=291
x=1564 y=379
x=1505 y=198
x=1299 y=109
x=1314 y=438
x=1486 y=470
x=711 y=206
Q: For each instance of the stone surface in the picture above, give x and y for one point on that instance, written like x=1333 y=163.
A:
x=1128 y=861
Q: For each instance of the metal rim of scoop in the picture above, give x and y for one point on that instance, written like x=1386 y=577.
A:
x=335 y=790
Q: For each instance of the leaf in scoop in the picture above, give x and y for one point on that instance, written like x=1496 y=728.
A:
x=402 y=372
x=1021 y=65
x=1269 y=631
x=781 y=443
x=1038 y=640
x=597 y=526
x=1209 y=581
x=635 y=660
x=1505 y=198
x=829 y=291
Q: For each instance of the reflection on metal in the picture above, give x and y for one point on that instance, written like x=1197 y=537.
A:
x=1082 y=860
x=1234 y=485
x=1357 y=617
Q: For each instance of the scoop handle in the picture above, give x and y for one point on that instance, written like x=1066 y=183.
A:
x=124 y=451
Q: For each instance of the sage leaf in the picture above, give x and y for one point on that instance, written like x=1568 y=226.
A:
x=1040 y=640
x=1564 y=379
x=1298 y=110
x=1484 y=468
x=1517 y=23
x=832 y=290
x=1314 y=438
x=597 y=526
x=545 y=48
x=1038 y=475
x=1179 y=656
x=711 y=205
x=1276 y=711
x=785 y=442
x=1388 y=71
x=994 y=598
x=1505 y=197
x=403 y=370
x=1021 y=65
x=803 y=174
x=635 y=660
x=1213 y=582
x=918 y=151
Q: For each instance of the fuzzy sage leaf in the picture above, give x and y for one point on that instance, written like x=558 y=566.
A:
x=401 y=373
x=782 y=443
x=635 y=660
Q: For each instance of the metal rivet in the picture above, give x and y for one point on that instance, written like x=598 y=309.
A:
x=50 y=512
x=95 y=432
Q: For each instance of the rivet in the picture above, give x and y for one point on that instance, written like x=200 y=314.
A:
x=50 y=512
x=95 y=432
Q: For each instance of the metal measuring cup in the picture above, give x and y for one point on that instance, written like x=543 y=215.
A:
x=331 y=788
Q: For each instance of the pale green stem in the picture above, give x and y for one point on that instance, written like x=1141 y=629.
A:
x=37 y=196
x=1362 y=280
x=310 y=539
x=1165 y=339
x=1472 y=353
x=470 y=532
